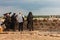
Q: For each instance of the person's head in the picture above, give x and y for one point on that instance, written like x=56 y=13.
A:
x=7 y=14
x=20 y=13
x=10 y=13
x=4 y=14
x=14 y=13
x=30 y=13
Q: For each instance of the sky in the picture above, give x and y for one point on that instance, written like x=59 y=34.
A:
x=37 y=7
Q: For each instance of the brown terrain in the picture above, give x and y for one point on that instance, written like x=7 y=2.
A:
x=44 y=29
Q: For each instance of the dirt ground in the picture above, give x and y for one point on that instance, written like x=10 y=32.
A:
x=30 y=35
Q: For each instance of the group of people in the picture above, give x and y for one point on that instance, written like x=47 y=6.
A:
x=16 y=21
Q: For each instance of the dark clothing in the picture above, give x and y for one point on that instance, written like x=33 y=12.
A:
x=30 y=26
x=21 y=26
x=7 y=22
x=13 y=22
x=30 y=22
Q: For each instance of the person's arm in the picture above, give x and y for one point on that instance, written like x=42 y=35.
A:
x=3 y=22
x=23 y=17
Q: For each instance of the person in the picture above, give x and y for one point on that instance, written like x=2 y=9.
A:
x=20 y=19
x=7 y=21
x=13 y=21
x=16 y=23
x=30 y=21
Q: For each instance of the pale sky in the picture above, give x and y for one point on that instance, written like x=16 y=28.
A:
x=38 y=7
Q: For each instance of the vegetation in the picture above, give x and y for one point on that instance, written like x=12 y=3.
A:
x=40 y=16
x=45 y=16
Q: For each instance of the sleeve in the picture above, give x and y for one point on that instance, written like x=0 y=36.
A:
x=23 y=17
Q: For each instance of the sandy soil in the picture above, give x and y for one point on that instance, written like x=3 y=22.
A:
x=30 y=35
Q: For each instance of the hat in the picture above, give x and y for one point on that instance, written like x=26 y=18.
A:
x=4 y=14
